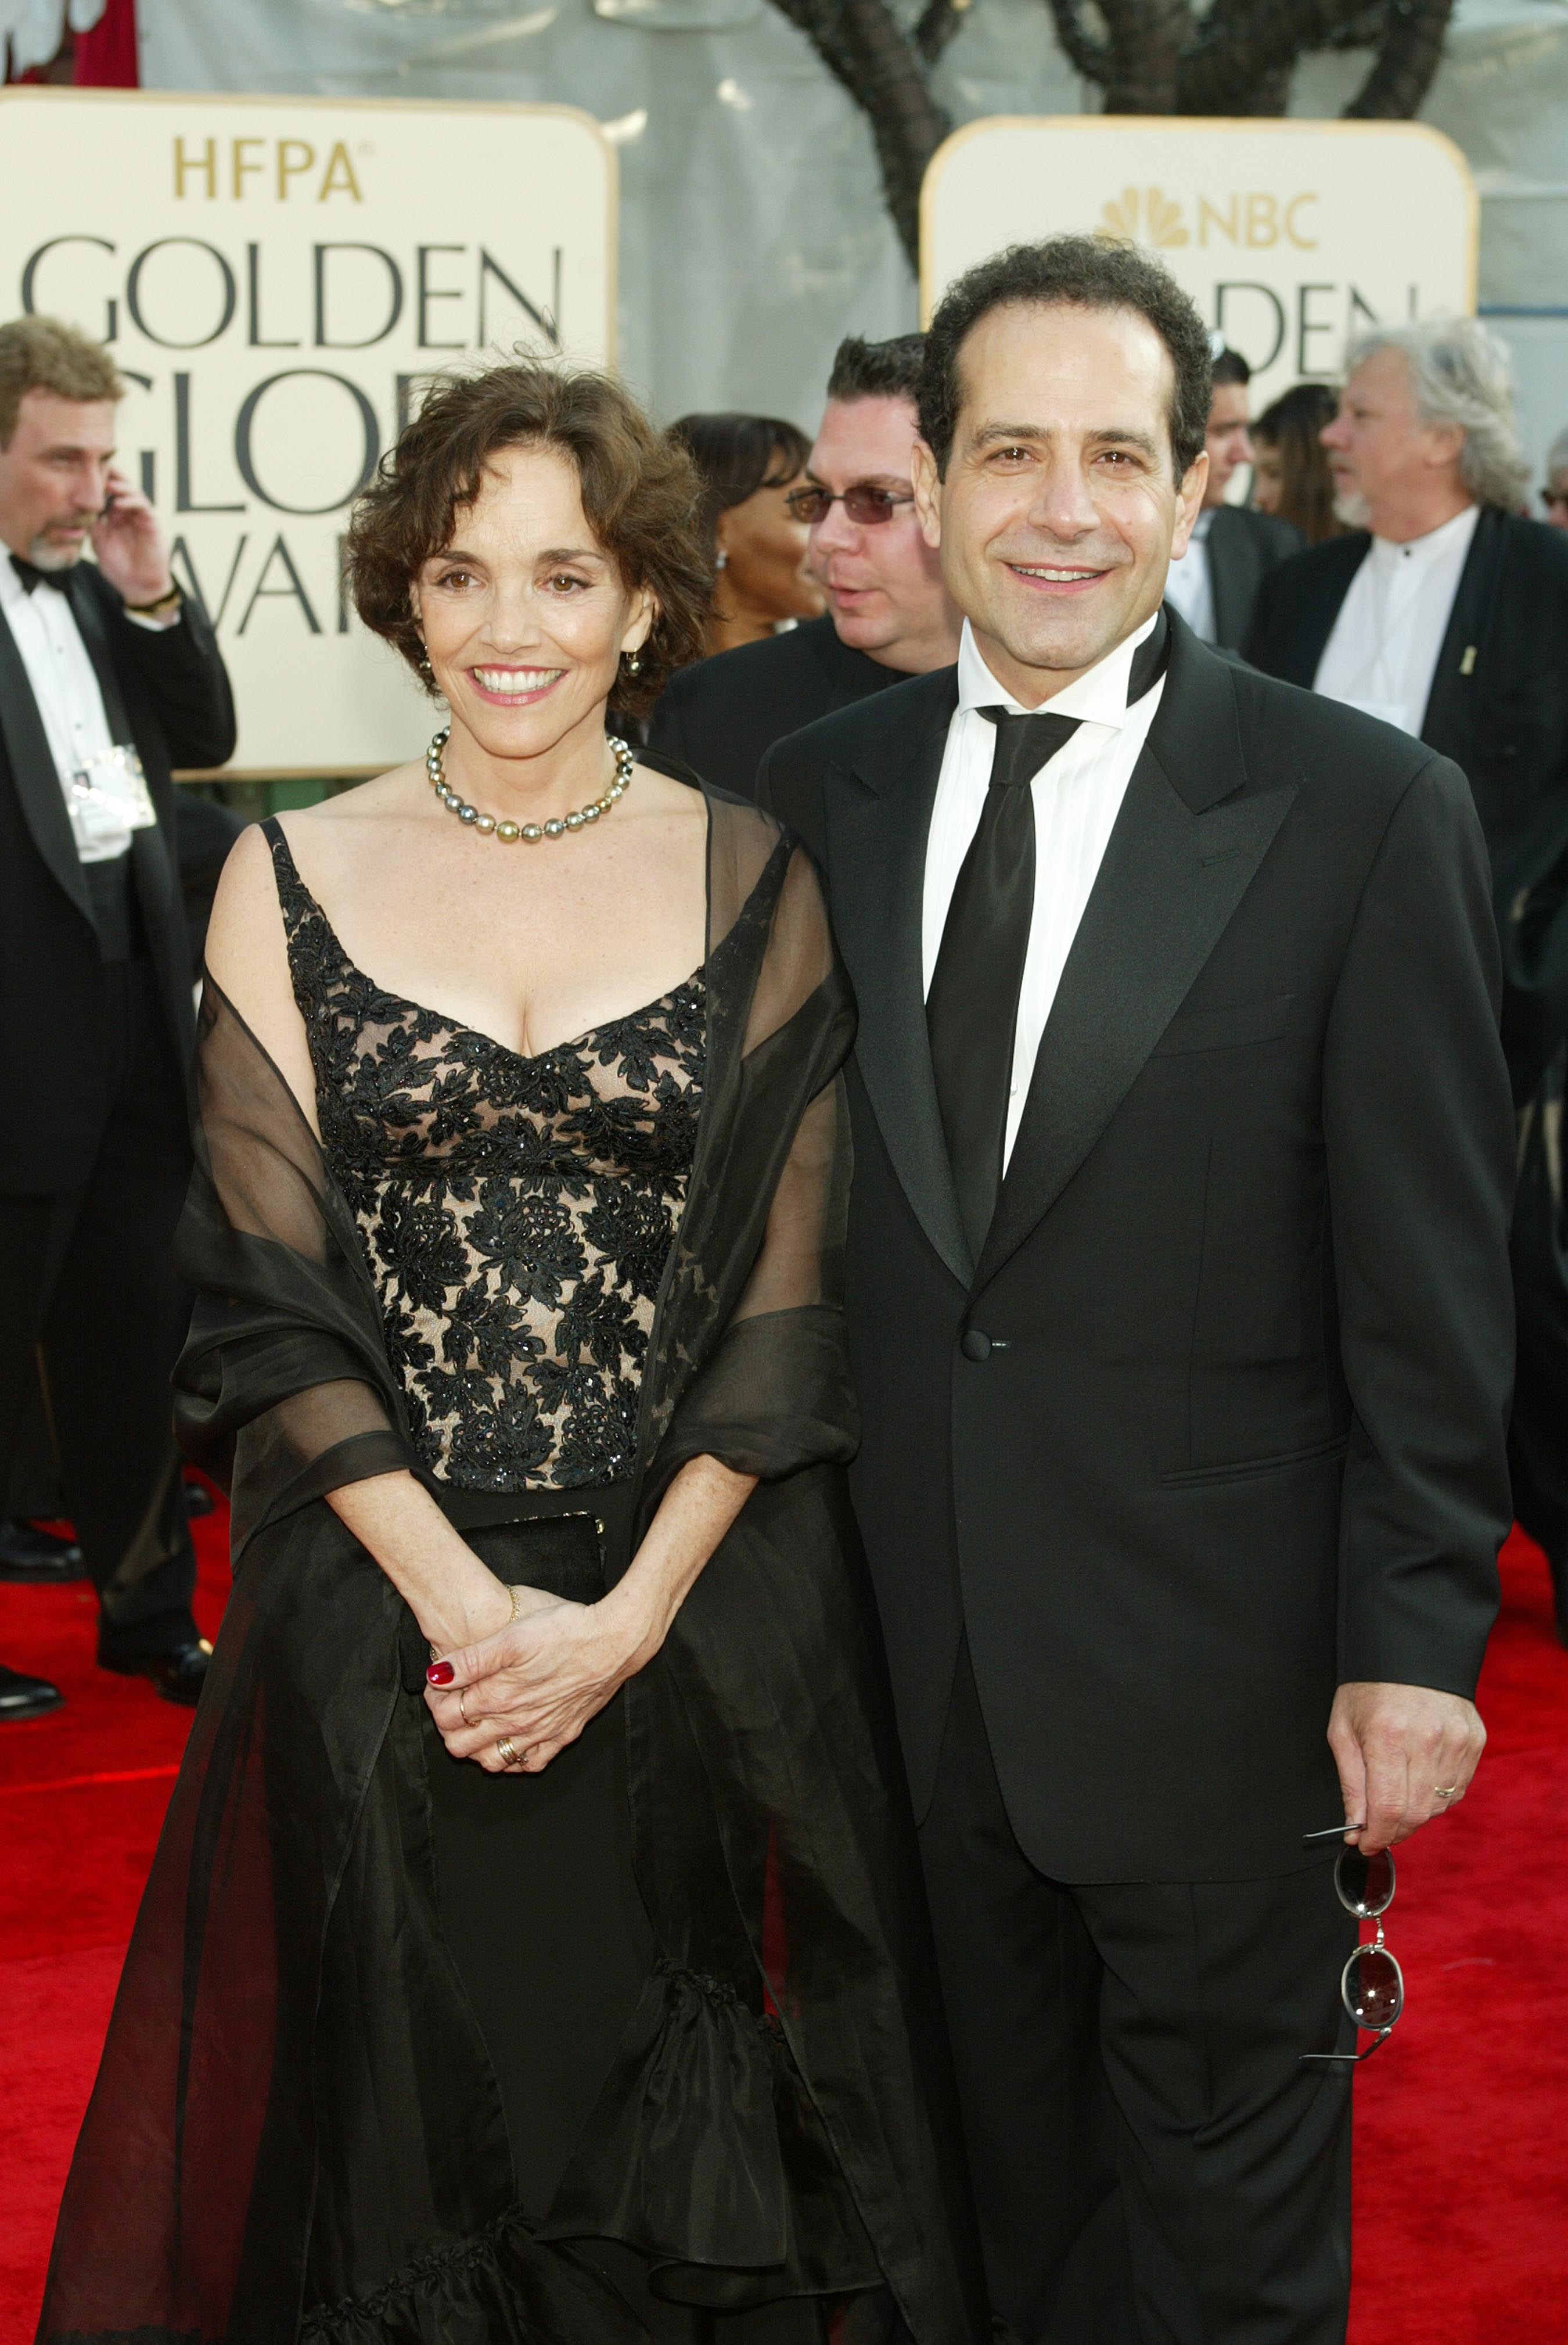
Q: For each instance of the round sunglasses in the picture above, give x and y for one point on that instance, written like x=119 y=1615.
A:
x=1371 y=1986
x=865 y=503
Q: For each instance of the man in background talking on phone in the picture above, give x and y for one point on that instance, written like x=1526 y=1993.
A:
x=109 y=677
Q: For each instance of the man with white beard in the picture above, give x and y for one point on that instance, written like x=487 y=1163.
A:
x=1445 y=612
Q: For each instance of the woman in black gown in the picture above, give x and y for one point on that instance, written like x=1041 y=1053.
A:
x=533 y=1951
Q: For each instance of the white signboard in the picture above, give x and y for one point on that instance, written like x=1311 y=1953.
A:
x=1289 y=236
x=276 y=278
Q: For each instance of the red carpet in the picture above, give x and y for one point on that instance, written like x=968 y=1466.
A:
x=1461 y=2141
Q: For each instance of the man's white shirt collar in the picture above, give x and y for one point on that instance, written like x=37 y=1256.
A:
x=1098 y=696
x=1450 y=537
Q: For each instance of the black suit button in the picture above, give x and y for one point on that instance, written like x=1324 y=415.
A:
x=975 y=1345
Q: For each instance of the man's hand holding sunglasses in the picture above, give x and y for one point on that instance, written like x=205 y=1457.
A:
x=1405 y=1754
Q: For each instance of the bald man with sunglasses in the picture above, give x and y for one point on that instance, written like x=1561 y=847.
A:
x=888 y=614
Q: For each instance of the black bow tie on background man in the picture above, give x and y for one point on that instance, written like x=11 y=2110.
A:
x=971 y=1011
x=31 y=575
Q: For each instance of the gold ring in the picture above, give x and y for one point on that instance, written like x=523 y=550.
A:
x=1445 y=1792
x=506 y=1750
x=462 y=1708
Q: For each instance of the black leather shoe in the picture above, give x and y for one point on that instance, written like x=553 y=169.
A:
x=198 y=1501
x=23 y=1697
x=178 y=1671
x=29 y=1552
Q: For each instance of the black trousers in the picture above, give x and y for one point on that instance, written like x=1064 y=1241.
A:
x=1538 y=1429
x=1152 y=2164
x=87 y=1282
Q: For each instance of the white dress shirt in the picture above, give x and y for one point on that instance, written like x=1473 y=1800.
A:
x=1077 y=797
x=1383 y=653
x=1189 y=582
x=65 y=687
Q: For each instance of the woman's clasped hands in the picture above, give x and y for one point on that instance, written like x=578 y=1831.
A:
x=516 y=1698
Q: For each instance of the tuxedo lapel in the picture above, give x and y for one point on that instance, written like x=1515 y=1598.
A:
x=33 y=773
x=89 y=619
x=152 y=850
x=1235 y=570
x=1454 y=703
x=878 y=819
x=1320 y=600
x=1183 y=853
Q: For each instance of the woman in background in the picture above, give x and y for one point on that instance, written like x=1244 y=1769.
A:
x=1290 y=475
x=749 y=463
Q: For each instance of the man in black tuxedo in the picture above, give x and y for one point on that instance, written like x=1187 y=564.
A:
x=108 y=678
x=1446 y=613
x=888 y=615
x=1232 y=549
x=1179 y=1298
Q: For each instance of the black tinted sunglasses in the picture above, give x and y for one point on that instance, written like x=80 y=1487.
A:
x=864 y=503
x=1371 y=1985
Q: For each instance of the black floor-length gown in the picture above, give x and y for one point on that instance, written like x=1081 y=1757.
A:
x=643 y=2046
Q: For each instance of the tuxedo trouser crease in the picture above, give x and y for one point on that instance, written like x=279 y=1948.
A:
x=1153 y=2164
x=87 y=1279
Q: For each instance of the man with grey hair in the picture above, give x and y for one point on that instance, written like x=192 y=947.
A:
x=1445 y=612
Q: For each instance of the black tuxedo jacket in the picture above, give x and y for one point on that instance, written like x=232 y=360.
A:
x=1217 y=1419
x=1243 y=548
x=1498 y=708
x=722 y=717
x=166 y=691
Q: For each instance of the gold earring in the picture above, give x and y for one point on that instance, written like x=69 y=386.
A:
x=633 y=662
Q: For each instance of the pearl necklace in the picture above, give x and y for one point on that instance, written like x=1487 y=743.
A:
x=435 y=767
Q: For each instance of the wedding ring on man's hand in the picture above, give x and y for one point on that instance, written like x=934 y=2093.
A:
x=1445 y=1792
x=507 y=1752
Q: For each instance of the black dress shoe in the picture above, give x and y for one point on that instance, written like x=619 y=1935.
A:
x=178 y=1671
x=198 y=1501
x=29 y=1552
x=23 y=1697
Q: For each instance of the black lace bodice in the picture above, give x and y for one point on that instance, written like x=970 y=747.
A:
x=517 y=1212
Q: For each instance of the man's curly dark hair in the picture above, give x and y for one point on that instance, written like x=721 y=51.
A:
x=1080 y=272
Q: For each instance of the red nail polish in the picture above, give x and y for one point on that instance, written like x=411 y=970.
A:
x=441 y=1673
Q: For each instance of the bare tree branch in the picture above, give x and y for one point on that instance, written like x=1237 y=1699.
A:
x=865 y=49
x=1244 y=42
x=1158 y=56
x=1407 y=63
x=1087 y=56
x=940 y=21
x=1146 y=39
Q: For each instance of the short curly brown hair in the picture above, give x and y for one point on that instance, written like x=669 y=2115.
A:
x=641 y=494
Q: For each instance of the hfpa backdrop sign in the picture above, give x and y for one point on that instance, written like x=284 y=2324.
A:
x=276 y=279
x=1289 y=235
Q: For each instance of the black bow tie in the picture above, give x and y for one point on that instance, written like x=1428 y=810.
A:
x=31 y=575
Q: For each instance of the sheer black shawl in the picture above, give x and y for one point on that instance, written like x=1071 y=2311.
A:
x=820 y=2137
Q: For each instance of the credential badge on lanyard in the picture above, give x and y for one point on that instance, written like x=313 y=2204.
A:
x=108 y=798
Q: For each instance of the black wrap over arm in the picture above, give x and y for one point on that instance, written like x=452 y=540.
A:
x=283 y=1391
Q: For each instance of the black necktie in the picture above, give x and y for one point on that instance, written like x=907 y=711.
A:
x=972 y=1009
x=973 y=1005
x=31 y=575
